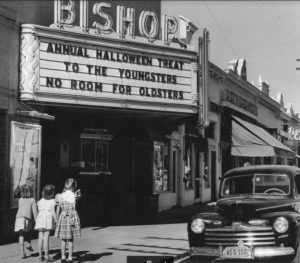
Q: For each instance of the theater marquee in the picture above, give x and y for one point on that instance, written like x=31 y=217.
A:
x=66 y=67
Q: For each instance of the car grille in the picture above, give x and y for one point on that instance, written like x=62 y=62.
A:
x=231 y=235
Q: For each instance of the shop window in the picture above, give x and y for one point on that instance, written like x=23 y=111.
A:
x=206 y=175
x=279 y=160
x=291 y=162
x=95 y=151
x=187 y=179
x=161 y=178
x=257 y=160
x=210 y=131
x=24 y=158
x=267 y=160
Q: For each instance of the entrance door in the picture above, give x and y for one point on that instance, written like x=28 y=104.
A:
x=213 y=175
x=177 y=185
x=197 y=178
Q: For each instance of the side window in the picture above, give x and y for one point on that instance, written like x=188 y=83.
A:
x=297 y=183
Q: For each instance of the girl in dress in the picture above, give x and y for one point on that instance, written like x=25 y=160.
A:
x=68 y=225
x=45 y=220
x=25 y=217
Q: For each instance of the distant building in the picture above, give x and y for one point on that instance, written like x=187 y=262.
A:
x=247 y=126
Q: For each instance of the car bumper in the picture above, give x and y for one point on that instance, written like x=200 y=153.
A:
x=258 y=252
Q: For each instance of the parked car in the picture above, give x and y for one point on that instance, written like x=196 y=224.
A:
x=256 y=217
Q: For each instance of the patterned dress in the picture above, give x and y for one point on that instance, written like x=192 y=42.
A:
x=68 y=225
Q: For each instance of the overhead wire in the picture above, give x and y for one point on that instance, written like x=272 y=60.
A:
x=220 y=28
x=271 y=23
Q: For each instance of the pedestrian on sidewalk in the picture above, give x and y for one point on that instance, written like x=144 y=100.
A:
x=25 y=217
x=68 y=225
x=45 y=221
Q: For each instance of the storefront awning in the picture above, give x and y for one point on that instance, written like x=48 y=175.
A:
x=253 y=141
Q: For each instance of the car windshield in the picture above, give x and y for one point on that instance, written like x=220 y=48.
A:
x=273 y=184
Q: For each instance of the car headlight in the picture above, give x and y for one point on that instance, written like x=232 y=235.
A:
x=281 y=225
x=197 y=226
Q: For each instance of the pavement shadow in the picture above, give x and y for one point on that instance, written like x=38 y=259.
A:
x=80 y=256
x=141 y=251
x=33 y=254
x=86 y=256
x=154 y=246
x=167 y=238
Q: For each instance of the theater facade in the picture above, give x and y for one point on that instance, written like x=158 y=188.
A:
x=110 y=96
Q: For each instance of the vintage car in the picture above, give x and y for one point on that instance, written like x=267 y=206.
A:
x=256 y=217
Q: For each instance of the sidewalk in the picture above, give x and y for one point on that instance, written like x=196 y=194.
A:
x=166 y=237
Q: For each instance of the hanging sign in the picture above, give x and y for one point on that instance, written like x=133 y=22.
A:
x=294 y=133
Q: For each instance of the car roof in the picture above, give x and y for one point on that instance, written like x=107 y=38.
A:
x=269 y=168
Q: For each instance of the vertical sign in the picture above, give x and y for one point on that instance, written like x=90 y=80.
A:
x=203 y=80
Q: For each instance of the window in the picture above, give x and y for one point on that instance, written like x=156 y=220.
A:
x=269 y=184
x=161 y=180
x=94 y=151
x=297 y=182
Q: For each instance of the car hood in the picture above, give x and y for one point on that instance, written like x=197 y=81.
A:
x=239 y=208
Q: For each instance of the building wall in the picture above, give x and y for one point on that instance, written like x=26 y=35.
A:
x=215 y=94
x=268 y=116
x=8 y=96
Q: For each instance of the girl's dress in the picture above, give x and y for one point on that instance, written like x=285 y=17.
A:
x=44 y=220
x=26 y=214
x=68 y=225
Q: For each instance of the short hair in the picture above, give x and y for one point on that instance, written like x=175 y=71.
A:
x=71 y=184
x=26 y=191
x=48 y=191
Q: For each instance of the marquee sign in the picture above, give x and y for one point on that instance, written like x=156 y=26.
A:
x=71 y=68
x=179 y=30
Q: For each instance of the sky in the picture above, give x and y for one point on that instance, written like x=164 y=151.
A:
x=265 y=33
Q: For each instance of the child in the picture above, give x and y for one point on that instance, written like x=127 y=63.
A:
x=45 y=220
x=25 y=217
x=68 y=225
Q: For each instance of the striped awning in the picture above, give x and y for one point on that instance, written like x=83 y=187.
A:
x=250 y=140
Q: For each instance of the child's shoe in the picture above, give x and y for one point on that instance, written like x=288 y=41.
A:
x=48 y=259
x=29 y=247
x=23 y=256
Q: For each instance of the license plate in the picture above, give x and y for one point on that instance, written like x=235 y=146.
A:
x=237 y=252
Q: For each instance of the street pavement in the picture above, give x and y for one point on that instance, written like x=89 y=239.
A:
x=167 y=236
